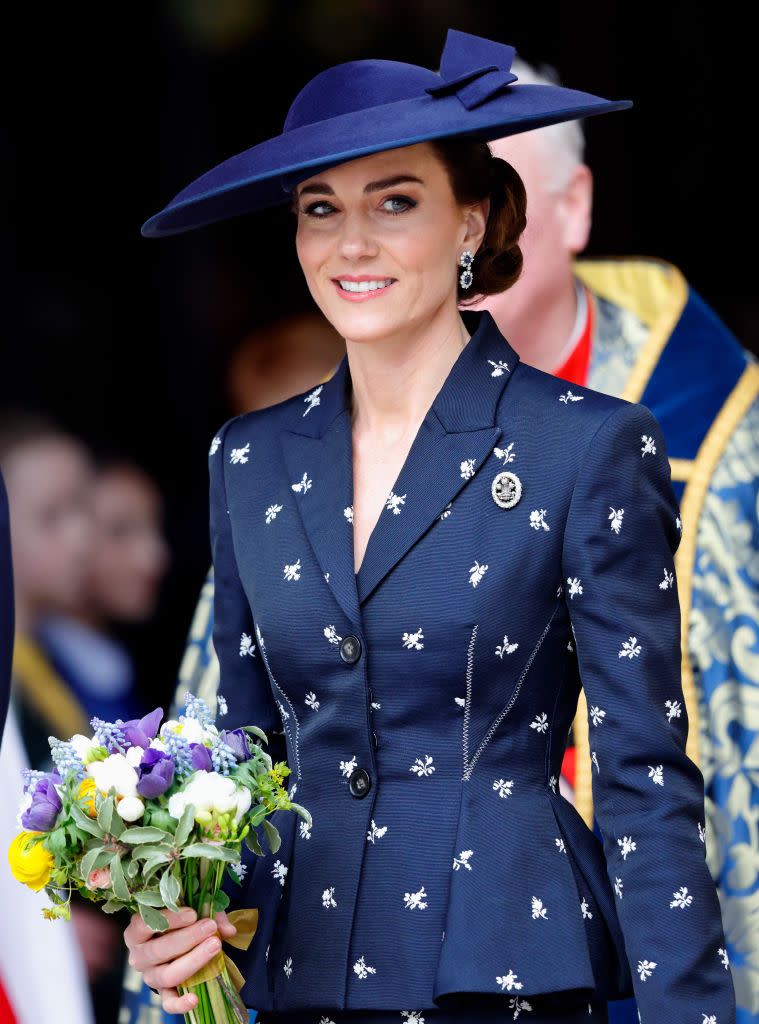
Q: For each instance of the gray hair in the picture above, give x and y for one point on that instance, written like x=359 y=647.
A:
x=564 y=142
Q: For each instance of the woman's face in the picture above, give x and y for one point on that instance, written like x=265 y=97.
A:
x=389 y=220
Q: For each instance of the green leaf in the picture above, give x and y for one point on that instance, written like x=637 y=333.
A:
x=150 y=898
x=185 y=826
x=56 y=841
x=212 y=852
x=253 y=843
x=257 y=816
x=147 y=834
x=133 y=868
x=273 y=837
x=117 y=825
x=152 y=863
x=112 y=906
x=302 y=811
x=153 y=918
x=220 y=901
x=148 y=850
x=88 y=860
x=86 y=823
x=105 y=814
x=119 y=882
x=170 y=890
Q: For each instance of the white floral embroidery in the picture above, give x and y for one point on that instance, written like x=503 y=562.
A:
x=239 y=869
x=538 y=910
x=332 y=635
x=279 y=871
x=375 y=832
x=467 y=468
x=701 y=832
x=222 y=703
x=586 y=912
x=283 y=711
x=412 y=640
x=597 y=715
x=503 y=787
x=645 y=969
x=461 y=701
x=708 y=1018
x=541 y=722
x=668 y=582
x=328 y=897
x=725 y=959
x=311 y=701
x=412 y=1016
x=326 y=577
x=630 y=648
x=305 y=830
x=560 y=845
x=498 y=367
x=476 y=573
x=649 y=448
x=616 y=518
x=509 y=981
x=375 y=705
x=423 y=767
x=627 y=845
x=346 y=767
x=288 y=966
x=214 y=445
x=462 y=861
x=505 y=454
x=303 y=485
x=292 y=572
x=657 y=774
x=415 y=900
x=674 y=709
x=394 y=502
x=312 y=399
x=537 y=519
x=446 y=511
x=594 y=759
x=678 y=522
x=505 y=648
x=575 y=586
x=348 y=513
x=247 y=647
x=272 y=511
x=362 y=969
x=517 y=1005
x=618 y=886
x=239 y=455
x=682 y=898
x=569 y=396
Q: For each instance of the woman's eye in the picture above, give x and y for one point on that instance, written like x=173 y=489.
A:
x=407 y=203
x=310 y=210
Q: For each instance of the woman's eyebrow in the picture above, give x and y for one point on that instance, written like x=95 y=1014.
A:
x=322 y=188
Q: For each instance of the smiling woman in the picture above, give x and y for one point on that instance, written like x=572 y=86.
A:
x=384 y=587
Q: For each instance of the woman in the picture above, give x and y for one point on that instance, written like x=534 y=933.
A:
x=427 y=556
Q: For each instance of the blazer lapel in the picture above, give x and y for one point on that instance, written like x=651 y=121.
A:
x=452 y=444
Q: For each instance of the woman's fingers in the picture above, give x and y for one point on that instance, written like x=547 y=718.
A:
x=172 y=1002
x=178 y=970
x=226 y=927
x=137 y=932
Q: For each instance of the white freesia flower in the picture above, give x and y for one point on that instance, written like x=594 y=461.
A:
x=134 y=755
x=83 y=745
x=209 y=791
x=158 y=744
x=116 y=771
x=130 y=808
x=189 y=729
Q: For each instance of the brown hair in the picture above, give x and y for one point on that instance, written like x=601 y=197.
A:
x=475 y=174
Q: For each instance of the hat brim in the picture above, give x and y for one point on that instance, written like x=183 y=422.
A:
x=253 y=180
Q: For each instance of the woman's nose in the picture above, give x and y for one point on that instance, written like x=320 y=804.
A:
x=356 y=237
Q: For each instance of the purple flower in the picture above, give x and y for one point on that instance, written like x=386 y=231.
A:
x=140 y=731
x=45 y=807
x=237 y=739
x=156 y=771
x=201 y=757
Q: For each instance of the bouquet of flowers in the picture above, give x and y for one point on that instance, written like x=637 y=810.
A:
x=143 y=816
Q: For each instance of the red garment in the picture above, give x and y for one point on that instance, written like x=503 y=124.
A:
x=7 y=1016
x=575 y=370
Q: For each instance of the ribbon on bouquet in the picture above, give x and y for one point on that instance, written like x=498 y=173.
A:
x=245 y=921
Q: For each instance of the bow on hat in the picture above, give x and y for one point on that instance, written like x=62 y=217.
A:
x=474 y=68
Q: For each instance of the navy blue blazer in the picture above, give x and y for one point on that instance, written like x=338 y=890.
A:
x=424 y=704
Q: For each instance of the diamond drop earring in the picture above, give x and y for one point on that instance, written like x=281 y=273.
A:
x=465 y=260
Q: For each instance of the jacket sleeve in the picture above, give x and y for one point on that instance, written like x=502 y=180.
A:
x=243 y=679
x=622 y=532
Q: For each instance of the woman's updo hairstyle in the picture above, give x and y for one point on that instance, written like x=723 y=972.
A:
x=476 y=174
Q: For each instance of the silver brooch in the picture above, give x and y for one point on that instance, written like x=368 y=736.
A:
x=506 y=489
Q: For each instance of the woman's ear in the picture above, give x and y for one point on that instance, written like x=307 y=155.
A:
x=476 y=223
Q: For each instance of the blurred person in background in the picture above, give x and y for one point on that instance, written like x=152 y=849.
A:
x=128 y=561
x=633 y=327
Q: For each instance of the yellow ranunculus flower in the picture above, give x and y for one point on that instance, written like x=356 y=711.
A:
x=31 y=863
x=87 y=789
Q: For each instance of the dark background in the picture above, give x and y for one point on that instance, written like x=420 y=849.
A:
x=114 y=109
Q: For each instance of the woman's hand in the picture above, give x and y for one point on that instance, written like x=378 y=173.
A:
x=167 y=959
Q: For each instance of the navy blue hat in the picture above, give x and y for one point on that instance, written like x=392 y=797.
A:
x=365 y=106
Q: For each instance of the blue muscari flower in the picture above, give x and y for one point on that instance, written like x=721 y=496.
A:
x=196 y=707
x=110 y=734
x=31 y=777
x=222 y=757
x=66 y=758
x=178 y=748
